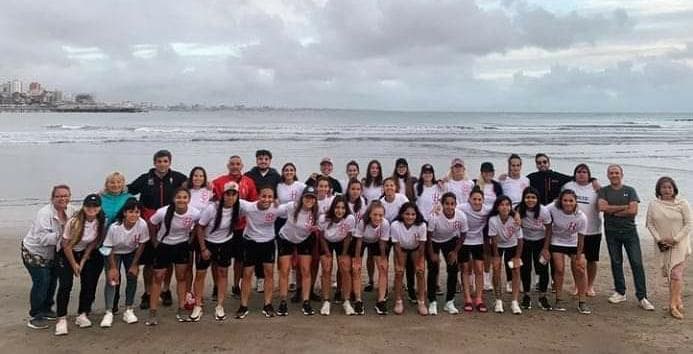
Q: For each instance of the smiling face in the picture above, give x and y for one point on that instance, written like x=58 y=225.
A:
x=340 y=210
x=91 y=211
x=61 y=198
x=181 y=200
x=323 y=188
x=515 y=167
x=504 y=208
x=615 y=175
x=326 y=168
x=487 y=176
x=289 y=173
x=582 y=176
x=568 y=203
x=131 y=216
x=162 y=164
x=198 y=178
x=531 y=200
x=449 y=205
x=354 y=191
x=374 y=170
x=235 y=166
x=666 y=190
x=458 y=171
x=427 y=176
x=377 y=215
x=308 y=202
x=263 y=162
x=230 y=198
x=542 y=163
x=409 y=216
x=389 y=188
x=402 y=170
x=476 y=200
x=266 y=198
x=352 y=171
x=115 y=185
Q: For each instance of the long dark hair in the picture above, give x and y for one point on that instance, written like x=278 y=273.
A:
x=358 y=203
x=189 y=183
x=559 y=201
x=420 y=183
x=295 y=170
x=130 y=204
x=367 y=216
x=330 y=215
x=581 y=166
x=172 y=208
x=374 y=181
x=522 y=207
x=419 y=217
x=220 y=212
x=314 y=211
x=496 y=204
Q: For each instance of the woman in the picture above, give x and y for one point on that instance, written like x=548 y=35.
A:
x=567 y=238
x=357 y=203
x=288 y=190
x=125 y=240
x=392 y=200
x=472 y=253
x=200 y=197
x=372 y=190
x=408 y=234
x=352 y=171
x=428 y=191
x=405 y=181
x=492 y=190
x=173 y=224
x=505 y=231
x=372 y=232
x=457 y=181
x=514 y=182
x=445 y=230
x=78 y=258
x=669 y=222
x=39 y=258
x=213 y=241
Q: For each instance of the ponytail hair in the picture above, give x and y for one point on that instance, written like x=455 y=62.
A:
x=168 y=218
x=220 y=212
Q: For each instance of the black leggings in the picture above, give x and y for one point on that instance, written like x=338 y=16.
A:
x=89 y=278
x=531 y=252
x=434 y=270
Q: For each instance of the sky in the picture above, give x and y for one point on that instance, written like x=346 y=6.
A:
x=464 y=55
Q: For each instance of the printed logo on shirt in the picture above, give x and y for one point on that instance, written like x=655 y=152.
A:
x=187 y=222
x=136 y=239
x=150 y=181
x=343 y=229
x=269 y=218
x=572 y=226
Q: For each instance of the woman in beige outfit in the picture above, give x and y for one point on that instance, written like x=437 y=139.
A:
x=669 y=222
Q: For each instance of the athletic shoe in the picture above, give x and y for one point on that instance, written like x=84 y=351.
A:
x=422 y=308
x=515 y=307
x=358 y=308
x=338 y=297
x=61 y=327
x=166 y=298
x=616 y=298
x=439 y=290
x=107 y=320
x=307 y=309
x=411 y=295
x=433 y=308
x=144 y=302
x=450 y=308
x=399 y=307
x=348 y=310
x=488 y=283
x=268 y=311
x=325 y=309
x=82 y=321
x=558 y=306
x=196 y=314
x=49 y=316
x=583 y=308
x=381 y=308
x=152 y=320
x=498 y=308
x=242 y=312
x=219 y=313
x=129 y=316
x=283 y=309
x=646 y=305
x=297 y=296
x=369 y=287
x=236 y=291
x=37 y=323
x=260 y=286
x=182 y=315
x=544 y=304
x=509 y=287
x=526 y=302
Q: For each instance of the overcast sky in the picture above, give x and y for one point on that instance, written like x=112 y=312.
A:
x=490 y=55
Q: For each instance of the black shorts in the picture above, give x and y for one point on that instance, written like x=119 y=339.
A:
x=335 y=248
x=220 y=255
x=237 y=245
x=147 y=256
x=258 y=252
x=166 y=255
x=471 y=252
x=287 y=248
x=444 y=247
x=507 y=253
x=591 y=249
x=563 y=249
x=374 y=249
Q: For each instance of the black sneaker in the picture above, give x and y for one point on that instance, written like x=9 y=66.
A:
x=297 y=296
x=558 y=306
x=544 y=304
x=242 y=312
x=583 y=308
x=166 y=298
x=37 y=323
x=307 y=309
x=49 y=316
x=144 y=302
x=381 y=308
x=338 y=297
x=283 y=309
x=358 y=308
x=182 y=315
x=368 y=287
x=214 y=294
x=315 y=297
x=236 y=291
x=526 y=302
x=268 y=311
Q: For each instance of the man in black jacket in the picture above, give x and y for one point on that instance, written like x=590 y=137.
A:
x=547 y=181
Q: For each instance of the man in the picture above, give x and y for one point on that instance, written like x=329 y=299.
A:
x=619 y=203
x=247 y=191
x=547 y=181
x=156 y=189
x=326 y=168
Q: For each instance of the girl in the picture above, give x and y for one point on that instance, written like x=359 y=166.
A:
x=336 y=229
x=324 y=194
x=325 y=198
x=352 y=171
x=505 y=231
x=372 y=232
x=288 y=190
x=457 y=181
x=472 y=251
x=536 y=225
x=408 y=234
x=214 y=242
x=295 y=236
x=567 y=238
x=514 y=182
x=405 y=181
x=428 y=191
x=83 y=232
x=373 y=183
x=391 y=200
x=445 y=230
x=491 y=189
x=357 y=203
x=200 y=198
x=173 y=224
x=126 y=238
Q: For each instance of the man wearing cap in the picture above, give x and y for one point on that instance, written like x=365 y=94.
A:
x=457 y=181
x=326 y=167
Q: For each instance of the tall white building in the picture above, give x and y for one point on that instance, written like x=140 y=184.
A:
x=16 y=86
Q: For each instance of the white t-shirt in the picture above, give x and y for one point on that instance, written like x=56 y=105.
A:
x=88 y=236
x=392 y=208
x=372 y=193
x=200 y=198
x=443 y=229
x=461 y=189
x=181 y=225
x=260 y=223
x=533 y=229
x=297 y=231
x=358 y=215
x=428 y=200
x=337 y=232
x=513 y=188
x=371 y=234
x=289 y=192
x=223 y=232
x=566 y=227
x=506 y=233
x=408 y=238
x=476 y=222
x=124 y=241
x=324 y=204
x=489 y=195
x=588 y=204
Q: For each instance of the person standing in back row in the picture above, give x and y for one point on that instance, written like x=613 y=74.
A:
x=545 y=180
x=326 y=168
x=619 y=203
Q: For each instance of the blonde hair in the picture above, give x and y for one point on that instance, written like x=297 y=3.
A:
x=111 y=176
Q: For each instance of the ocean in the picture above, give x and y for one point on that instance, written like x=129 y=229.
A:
x=38 y=150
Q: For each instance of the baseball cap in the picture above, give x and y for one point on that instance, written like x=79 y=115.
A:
x=92 y=200
x=401 y=161
x=309 y=190
x=487 y=167
x=427 y=168
x=326 y=160
x=231 y=186
x=457 y=161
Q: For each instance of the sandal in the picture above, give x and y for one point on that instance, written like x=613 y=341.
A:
x=468 y=307
x=481 y=307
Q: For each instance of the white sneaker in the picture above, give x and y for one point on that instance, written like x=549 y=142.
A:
x=196 y=313
x=129 y=317
x=646 y=304
x=433 y=308
x=450 y=308
x=325 y=309
x=61 y=327
x=515 y=307
x=498 y=308
x=488 y=284
x=82 y=321
x=107 y=321
x=219 y=313
x=616 y=298
x=260 y=286
x=509 y=287
x=348 y=310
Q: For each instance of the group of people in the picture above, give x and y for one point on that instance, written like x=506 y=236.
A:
x=251 y=222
